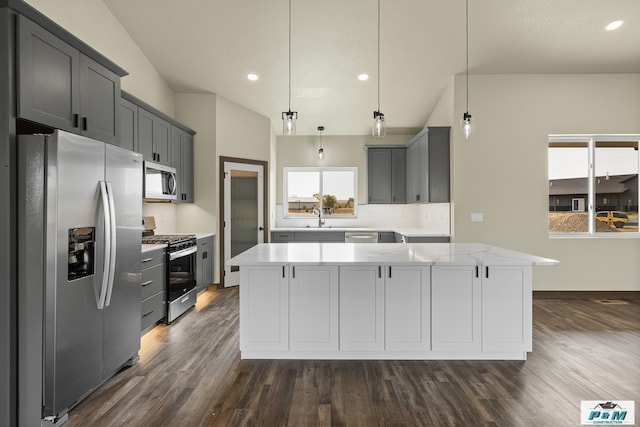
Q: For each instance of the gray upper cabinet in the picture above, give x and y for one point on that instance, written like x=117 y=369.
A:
x=60 y=87
x=154 y=137
x=182 y=160
x=128 y=125
x=428 y=166
x=439 y=164
x=386 y=175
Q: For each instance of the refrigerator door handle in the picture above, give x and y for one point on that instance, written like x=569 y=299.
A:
x=113 y=245
x=107 y=245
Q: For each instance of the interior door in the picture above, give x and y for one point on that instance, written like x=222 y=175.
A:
x=243 y=213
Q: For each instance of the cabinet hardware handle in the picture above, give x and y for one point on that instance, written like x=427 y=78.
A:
x=204 y=255
x=477 y=275
x=379 y=272
x=283 y=271
x=148 y=313
x=147 y=283
x=158 y=156
x=84 y=123
x=75 y=120
x=487 y=273
x=389 y=272
x=147 y=260
x=294 y=272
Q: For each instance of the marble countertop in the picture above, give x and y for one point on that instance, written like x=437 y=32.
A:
x=148 y=247
x=408 y=232
x=385 y=253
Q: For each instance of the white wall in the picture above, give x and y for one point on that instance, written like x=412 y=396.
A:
x=198 y=111
x=93 y=23
x=502 y=171
x=442 y=114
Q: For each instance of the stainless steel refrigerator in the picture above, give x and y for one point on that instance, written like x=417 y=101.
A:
x=80 y=217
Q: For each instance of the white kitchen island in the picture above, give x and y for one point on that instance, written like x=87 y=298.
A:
x=385 y=301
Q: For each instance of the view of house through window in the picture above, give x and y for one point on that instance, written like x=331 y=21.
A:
x=320 y=192
x=593 y=184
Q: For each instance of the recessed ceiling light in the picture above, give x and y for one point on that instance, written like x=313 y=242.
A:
x=613 y=25
x=362 y=77
x=252 y=76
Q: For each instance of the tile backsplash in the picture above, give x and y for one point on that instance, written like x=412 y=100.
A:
x=431 y=217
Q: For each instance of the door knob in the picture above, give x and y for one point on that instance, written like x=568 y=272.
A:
x=261 y=228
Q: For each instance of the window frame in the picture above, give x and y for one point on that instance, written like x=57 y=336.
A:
x=320 y=170
x=591 y=140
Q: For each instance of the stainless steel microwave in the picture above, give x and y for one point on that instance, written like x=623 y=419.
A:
x=159 y=182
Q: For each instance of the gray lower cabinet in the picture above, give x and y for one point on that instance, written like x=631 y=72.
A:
x=386 y=237
x=60 y=87
x=309 y=236
x=154 y=134
x=204 y=263
x=153 y=288
x=386 y=175
x=182 y=160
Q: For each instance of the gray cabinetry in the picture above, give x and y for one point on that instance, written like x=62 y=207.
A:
x=439 y=164
x=386 y=175
x=282 y=236
x=60 y=87
x=386 y=237
x=428 y=166
x=307 y=236
x=182 y=160
x=153 y=288
x=204 y=263
x=154 y=137
x=128 y=125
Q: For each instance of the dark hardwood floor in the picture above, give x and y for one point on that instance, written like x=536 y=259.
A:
x=190 y=374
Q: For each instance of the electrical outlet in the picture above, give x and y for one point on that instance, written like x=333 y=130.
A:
x=477 y=217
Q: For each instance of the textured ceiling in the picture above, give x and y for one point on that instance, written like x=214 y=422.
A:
x=210 y=46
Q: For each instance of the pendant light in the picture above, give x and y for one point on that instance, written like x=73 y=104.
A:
x=320 y=150
x=378 y=130
x=466 y=124
x=289 y=117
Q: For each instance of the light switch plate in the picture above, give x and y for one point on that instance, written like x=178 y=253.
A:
x=477 y=217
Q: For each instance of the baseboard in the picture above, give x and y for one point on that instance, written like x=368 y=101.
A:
x=632 y=295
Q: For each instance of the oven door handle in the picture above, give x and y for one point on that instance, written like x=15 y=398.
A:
x=183 y=252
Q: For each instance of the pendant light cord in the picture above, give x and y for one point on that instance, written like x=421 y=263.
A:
x=467 y=34
x=289 y=55
x=379 y=55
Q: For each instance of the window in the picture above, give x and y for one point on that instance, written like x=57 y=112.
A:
x=593 y=185
x=323 y=192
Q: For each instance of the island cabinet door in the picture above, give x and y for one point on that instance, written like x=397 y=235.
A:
x=314 y=308
x=455 y=308
x=361 y=308
x=264 y=308
x=407 y=308
x=506 y=308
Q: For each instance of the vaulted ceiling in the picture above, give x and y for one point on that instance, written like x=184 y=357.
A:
x=211 y=45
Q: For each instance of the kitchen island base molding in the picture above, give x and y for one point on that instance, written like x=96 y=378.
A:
x=285 y=355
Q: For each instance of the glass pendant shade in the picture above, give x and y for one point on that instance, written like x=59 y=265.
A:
x=321 y=154
x=378 y=130
x=289 y=122
x=466 y=125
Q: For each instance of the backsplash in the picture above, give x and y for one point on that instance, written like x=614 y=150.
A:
x=164 y=214
x=431 y=217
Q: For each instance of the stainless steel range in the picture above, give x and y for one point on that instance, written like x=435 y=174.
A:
x=181 y=271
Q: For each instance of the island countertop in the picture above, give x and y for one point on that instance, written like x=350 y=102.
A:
x=385 y=253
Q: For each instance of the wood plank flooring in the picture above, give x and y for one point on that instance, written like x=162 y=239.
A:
x=190 y=374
